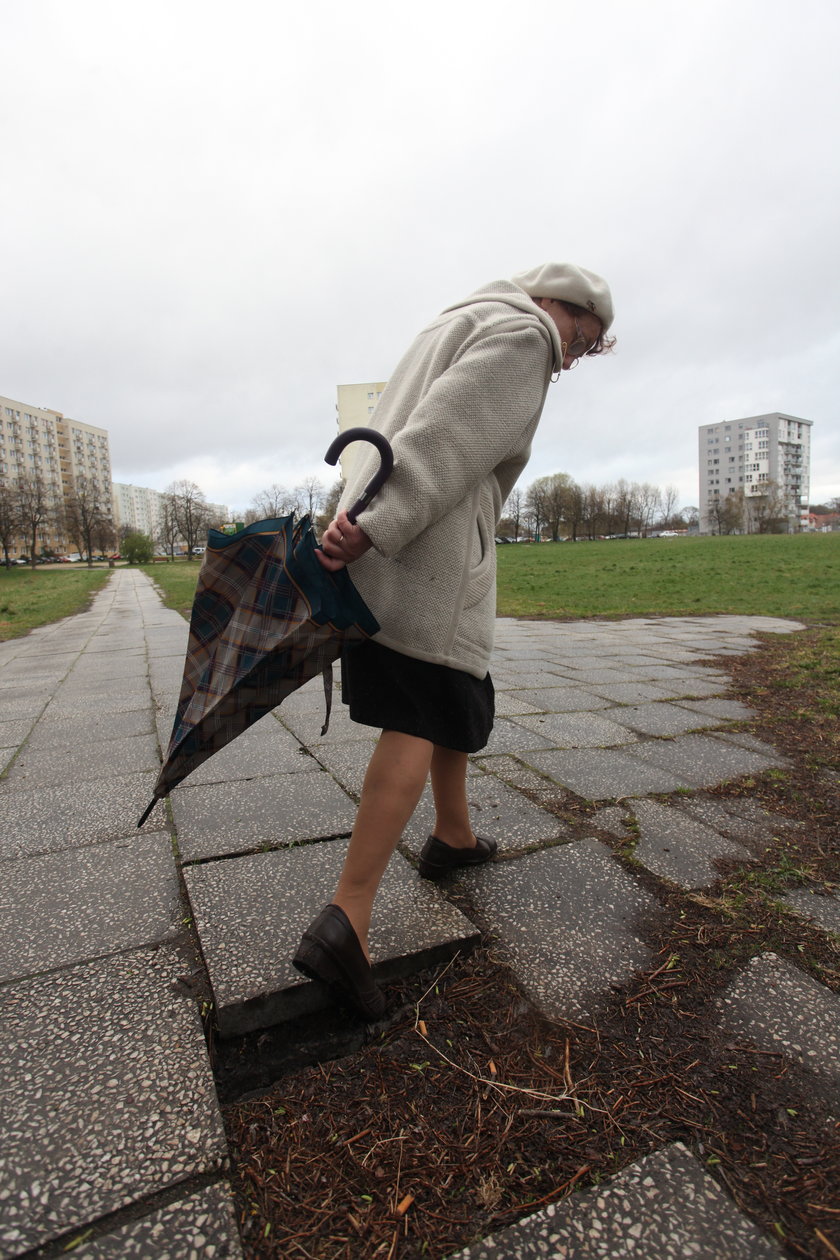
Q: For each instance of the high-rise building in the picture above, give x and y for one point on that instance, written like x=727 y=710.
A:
x=137 y=508
x=753 y=458
x=355 y=406
x=63 y=456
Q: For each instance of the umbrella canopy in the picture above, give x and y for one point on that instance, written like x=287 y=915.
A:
x=267 y=617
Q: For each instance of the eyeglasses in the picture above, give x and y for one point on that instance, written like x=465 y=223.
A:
x=580 y=346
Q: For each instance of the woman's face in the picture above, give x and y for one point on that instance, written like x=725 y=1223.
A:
x=578 y=333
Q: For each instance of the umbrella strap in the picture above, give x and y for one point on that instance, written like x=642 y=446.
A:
x=328 y=697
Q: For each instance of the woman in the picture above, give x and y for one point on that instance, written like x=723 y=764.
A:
x=460 y=411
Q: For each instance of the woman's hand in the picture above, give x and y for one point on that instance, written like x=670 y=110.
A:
x=342 y=543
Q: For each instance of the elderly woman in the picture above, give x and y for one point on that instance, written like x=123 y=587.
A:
x=460 y=411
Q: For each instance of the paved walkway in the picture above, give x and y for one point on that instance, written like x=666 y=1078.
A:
x=110 y=1124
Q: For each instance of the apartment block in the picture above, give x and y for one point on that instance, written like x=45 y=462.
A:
x=137 y=508
x=752 y=455
x=355 y=406
x=64 y=454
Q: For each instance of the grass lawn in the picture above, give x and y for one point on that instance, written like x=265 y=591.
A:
x=176 y=582
x=784 y=575
x=30 y=599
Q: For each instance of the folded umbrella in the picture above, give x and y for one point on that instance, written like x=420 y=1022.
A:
x=267 y=617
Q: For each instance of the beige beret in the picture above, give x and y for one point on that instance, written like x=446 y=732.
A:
x=568 y=283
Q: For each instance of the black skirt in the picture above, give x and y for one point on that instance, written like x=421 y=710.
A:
x=398 y=693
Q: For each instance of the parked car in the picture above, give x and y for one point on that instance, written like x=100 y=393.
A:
x=198 y=551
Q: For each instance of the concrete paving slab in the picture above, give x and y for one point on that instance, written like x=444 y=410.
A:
x=62 y=908
x=24 y=703
x=78 y=763
x=508 y=736
x=567 y=917
x=560 y=700
x=517 y=774
x=731 y=819
x=578 y=730
x=347 y=762
x=77 y=705
x=742 y=739
x=660 y=718
x=816 y=906
x=82 y=688
x=222 y=818
x=306 y=725
x=509 y=705
x=12 y=734
x=49 y=819
x=630 y=692
x=663 y=1207
x=496 y=810
x=782 y=1010
x=200 y=1225
x=701 y=760
x=93 y=669
x=601 y=774
x=680 y=848
x=107 y=1094
x=729 y=710
x=510 y=678
x=58 y=734
x=250 y=913
x=264 y=749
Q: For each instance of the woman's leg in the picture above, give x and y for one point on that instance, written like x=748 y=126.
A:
x=453 y=825
x=393 y=785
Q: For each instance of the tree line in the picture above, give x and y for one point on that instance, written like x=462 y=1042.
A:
x=557 y=507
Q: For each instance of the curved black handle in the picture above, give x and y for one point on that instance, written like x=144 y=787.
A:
x=386 y=465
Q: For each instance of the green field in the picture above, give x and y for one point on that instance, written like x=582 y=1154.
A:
x=787 y=575
x=30 y=599
x=777 y=575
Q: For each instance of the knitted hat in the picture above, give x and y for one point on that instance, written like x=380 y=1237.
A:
x=568 y=283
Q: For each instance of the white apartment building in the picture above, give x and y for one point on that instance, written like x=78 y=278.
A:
x=140 y=508
x=38 y=441
x=355 y=406
x=137 y=508
x=747 y=454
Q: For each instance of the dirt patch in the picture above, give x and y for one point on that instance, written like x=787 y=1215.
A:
x=468 y=1110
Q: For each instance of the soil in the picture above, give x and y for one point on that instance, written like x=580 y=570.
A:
x=467 y=1110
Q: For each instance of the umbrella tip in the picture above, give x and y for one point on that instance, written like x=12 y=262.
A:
x=147 y=810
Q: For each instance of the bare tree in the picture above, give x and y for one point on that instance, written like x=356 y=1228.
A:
x=35 y=504
x=87 y=516
x=513 y=510
x=535 y=508
x=668 y=506
x=191 y=512
x=310 y=495
x=278 y=501
x=767 y=512
x=167 y=533
x=330 y=505
x=9 y=524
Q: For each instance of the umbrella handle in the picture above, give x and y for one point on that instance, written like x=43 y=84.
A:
x=386 y=465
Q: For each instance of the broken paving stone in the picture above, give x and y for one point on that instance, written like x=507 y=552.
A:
x=782 y=1010
x=251 y=911
x=677 y=847
x=567 y=917
x=663 y=1207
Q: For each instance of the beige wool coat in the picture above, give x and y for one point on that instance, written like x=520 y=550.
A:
x=460 y=411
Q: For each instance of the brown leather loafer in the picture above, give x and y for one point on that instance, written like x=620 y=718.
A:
x=438 y=859
x=330 y=951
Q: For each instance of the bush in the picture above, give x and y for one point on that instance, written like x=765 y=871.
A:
x=138 y=548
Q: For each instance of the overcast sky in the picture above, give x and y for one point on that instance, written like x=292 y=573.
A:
x=213 y=213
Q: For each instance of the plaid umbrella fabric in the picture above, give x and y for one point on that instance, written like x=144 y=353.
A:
x=266 y=618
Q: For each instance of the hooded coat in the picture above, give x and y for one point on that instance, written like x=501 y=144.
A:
x=460 y=412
